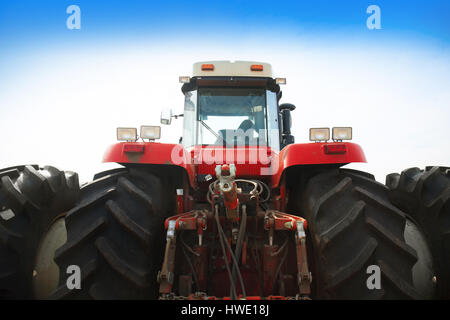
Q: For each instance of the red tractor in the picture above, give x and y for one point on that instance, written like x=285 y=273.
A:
x=237 y=210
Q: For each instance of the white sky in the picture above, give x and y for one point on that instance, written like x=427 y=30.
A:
x=62 y=106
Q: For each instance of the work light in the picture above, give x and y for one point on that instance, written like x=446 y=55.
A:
x=127 y=134
x=342 y=133
x=150 y=132
x=319 y=134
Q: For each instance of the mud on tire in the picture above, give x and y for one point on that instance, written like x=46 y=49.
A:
x=424 y=195
x=352 y=225
x=115 y=235
x=30 y=199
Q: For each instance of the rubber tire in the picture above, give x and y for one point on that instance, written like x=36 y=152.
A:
x=30 y=199
x=116 y=236
x=352 y=225
x=424 y=195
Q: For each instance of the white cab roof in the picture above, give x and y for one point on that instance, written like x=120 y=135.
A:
x=232 y=68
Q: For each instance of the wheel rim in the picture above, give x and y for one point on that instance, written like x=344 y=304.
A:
x=424 y=276
x=46 y=271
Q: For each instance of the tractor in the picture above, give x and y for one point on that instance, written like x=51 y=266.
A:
x=235 y=210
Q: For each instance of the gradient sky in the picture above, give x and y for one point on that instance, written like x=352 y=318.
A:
x=63 y=92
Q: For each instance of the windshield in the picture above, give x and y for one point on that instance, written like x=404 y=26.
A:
x=232 y=116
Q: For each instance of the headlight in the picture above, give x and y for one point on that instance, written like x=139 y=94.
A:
x=319 y=134
x=342 y=133
x=150 y=132
x=127 y=134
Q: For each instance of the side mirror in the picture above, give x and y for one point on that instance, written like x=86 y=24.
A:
x=285 y=111
x=166 y=116
x=287 y=106
x=286 y=119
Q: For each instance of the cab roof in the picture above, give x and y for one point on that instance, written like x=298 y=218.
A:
x=232 y=69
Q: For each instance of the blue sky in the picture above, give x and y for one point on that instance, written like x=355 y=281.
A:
x=39 y=23
x=29 y=28
x=122 y=67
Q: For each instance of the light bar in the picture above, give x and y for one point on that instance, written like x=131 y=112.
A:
x=342 y=133
x=184 y=79
x=207 y=67
x=126 y=134
x=319 y=134
x=337 y=148
x=133 y=147
x=150 y=132
x=280 y=80
x=257 y=67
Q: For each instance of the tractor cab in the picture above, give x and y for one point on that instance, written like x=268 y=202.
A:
x=232 y=104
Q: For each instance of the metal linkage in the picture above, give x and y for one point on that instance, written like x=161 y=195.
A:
x=227 y=188
x=304 y=277
x=194 y=220
x=279 y=221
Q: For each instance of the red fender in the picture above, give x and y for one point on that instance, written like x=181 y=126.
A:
x=317 y=153
x=151 y=153
x=291 y=155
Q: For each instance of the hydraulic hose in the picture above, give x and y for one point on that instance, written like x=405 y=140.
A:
x=259 y=186
x=222 y=236
x=194 y=275
x=221 y=240
x=283 y=258
x=239 y=243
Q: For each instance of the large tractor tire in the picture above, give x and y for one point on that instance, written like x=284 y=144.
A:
x=425 y=196
x=31 y=199
x=115 y=235
x=352 y=226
